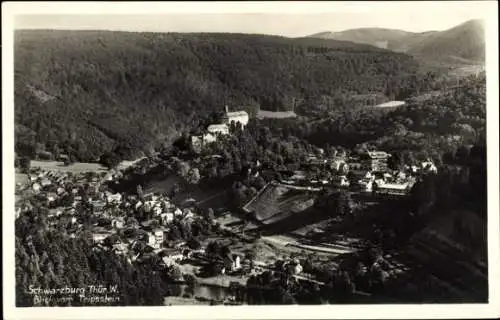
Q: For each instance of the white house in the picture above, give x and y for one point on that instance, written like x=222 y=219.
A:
x=138 y=205
x=393 y=188
x=236 y=264
x=151 y=240
x=366 y=184
x=51 y=197
x=117 y=223
x=188 y=213
x=158 y=237
x=114 y=198
x=428 y=167
x=157 y=210
x=341 y=181
x=99 y=237
x=167 y=217
x=46 y=182
x=36 y=187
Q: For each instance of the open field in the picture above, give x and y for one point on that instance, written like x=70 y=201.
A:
x=263 y=114
x=77 y=167
x=21 y=178
x=126 y=163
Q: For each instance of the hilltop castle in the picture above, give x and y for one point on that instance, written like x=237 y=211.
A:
x=235 y=116
x=215 y=130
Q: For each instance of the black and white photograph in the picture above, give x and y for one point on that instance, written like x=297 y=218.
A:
x=322 y=155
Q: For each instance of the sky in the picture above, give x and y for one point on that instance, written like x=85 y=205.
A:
x=291 y=19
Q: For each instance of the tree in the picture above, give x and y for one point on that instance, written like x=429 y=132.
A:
x=24 y=164
x=194 y=176
x=210 y=214
x=213 y=250
x=194 y=244
x=395 y=162
x=69 y=160
x=140 y=192
x=174 y=273
x=110 y=160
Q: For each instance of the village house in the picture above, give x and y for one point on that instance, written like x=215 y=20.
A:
x=339 y=166
x=118 y=223
x=178 y=212
x=428 y=167
x=366 y=183
x=100 y=236
x=113 y=198
x=393 y=188
x=340 y=181
x=120 y=248
x=159 y=238
x=356 y=165
x=294 y=267
x=166 y=217
x=150 y=239
x=236 y=264
x=172 y=258
x=36 y=187
x=155 y=238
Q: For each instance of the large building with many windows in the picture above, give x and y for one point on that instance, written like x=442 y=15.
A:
x=374 y=161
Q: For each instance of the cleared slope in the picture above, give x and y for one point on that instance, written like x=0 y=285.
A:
x=277 y=202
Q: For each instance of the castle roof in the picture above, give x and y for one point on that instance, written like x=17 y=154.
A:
x=237 y=114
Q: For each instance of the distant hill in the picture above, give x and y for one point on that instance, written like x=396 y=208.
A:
x=90 y=92
x=379 y=37
x=465 y=41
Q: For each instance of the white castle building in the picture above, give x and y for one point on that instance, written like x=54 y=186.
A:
x=236 y=116
x=215 y=130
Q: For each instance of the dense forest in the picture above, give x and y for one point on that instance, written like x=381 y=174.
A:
x=85 y=93
x=51 y=259
x=428 y=126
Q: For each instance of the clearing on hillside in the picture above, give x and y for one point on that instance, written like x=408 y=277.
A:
x=264 y=114
x=77 y=167
x=276 y=202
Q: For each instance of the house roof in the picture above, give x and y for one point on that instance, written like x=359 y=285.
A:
x=395 y=186
x=378 y=154
x=217 y=128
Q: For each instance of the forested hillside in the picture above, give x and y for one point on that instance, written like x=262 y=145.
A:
x=428 y=126
x=86 y=93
